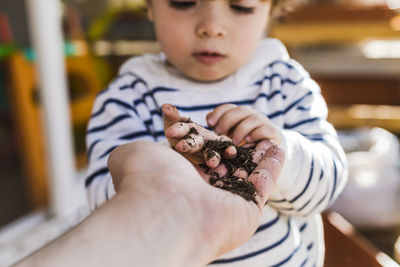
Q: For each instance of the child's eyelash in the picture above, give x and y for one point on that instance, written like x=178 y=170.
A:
x=182 y=4
x=188 y=4
x=242 y=9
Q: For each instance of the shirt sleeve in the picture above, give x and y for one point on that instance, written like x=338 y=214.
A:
x=315 y=168
x=120 y=115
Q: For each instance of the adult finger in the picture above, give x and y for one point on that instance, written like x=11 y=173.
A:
x=202 y=171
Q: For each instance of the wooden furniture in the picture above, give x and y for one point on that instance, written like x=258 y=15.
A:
x=26 y=111
x=384 y=116
x=333 y=23
x=344 y=247
x=361 y=89
x=362 y=101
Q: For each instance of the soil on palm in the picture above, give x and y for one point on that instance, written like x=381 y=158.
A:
x=243 y=159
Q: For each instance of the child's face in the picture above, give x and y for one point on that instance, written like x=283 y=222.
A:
x=209 y=39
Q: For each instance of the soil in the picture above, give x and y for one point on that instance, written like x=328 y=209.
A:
x=243 y=159
x=189 y=135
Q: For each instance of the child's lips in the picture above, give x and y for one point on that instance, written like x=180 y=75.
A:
x=207 y=57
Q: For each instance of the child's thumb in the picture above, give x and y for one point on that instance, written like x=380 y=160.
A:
x=170 y=115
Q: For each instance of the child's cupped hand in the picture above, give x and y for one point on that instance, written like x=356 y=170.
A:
x=189 y=139
x=243 y=124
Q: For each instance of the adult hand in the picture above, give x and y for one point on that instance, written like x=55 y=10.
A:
x=205 y=214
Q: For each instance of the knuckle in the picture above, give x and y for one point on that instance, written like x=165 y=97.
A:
x=225 y=121
x=230 y=105
x=257 y=135
x=225 y=107
x=255 y=117
x=244 y=109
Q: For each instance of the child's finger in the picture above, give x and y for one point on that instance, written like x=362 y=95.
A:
x=170 y=115
x=267 y=172
x=245 y=127
x=220 y=137
x=260 y=149
x=241 y=173
x=177 y=130
x=247 y=145
x=229 y=152
x=192 y=143
x=211 y=157
x=220 y=170
x=264 y=132
x=214 y=116
x=232 y=118
x=258 y=134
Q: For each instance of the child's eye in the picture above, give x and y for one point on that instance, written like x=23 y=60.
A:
x=243 y=9
x=182 y=4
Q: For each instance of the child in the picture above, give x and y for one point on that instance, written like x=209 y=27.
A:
x=217 y=70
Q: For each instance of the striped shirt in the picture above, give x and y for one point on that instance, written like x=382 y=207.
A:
x=314 y=171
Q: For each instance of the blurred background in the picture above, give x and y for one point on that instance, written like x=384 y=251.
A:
x=350 y=47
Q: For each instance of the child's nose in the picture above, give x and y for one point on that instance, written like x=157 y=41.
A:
x=210 y=27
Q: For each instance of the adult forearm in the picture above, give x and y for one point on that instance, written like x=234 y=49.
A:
x=121 y=233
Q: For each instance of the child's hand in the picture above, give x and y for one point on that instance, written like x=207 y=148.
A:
x=189 y=138
x=243 y=123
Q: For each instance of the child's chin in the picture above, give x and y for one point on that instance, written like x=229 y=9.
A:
x=207 y=78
